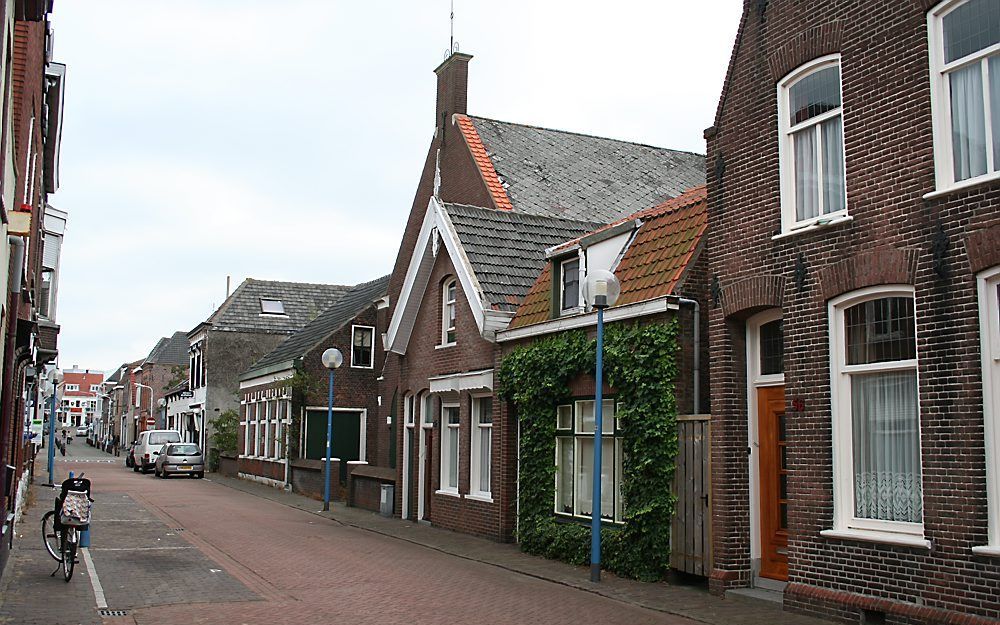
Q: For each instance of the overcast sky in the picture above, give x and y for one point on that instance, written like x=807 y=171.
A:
x=284 y=140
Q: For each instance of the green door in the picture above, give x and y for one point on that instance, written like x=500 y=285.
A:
x=346 y=442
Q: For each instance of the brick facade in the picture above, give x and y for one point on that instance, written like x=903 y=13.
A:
x=895 y=236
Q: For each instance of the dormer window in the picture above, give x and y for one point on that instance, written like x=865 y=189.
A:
x=271 y=307
x=448 y=293
x=569 y=287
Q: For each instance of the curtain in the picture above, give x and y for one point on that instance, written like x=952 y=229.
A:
x=806 y=190
x=968 y=122
x=833 y=165
x=452 y=456
x=995 y=108
x=585 y=477
x=564 y=477
x=887 y=482
x=485 y=434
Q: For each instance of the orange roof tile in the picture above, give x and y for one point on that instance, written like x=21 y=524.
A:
x=654 y=263
x=490 y=177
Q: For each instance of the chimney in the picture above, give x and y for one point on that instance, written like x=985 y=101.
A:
x=452 y=88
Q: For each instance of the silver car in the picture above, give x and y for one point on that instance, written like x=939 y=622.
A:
x=180 y=459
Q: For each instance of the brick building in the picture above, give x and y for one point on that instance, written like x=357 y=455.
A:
x=284 y=398
x=80 y=396
x=492 y=197
x=855 y=251
x=252 y=321
x=164 y=367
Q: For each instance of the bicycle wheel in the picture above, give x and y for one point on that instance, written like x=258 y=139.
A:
x=69 y=552
x=50 y=536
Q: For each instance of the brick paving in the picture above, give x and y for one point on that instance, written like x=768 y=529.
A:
x=234 y=552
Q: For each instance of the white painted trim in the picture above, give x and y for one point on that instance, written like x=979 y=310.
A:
x=989 y=323
x=789 y=224
x=457 y=382
x=483 y=497
x=450 y=493
x=252 y=477
x=423 y=455
x=616 y=313
x=463 y=268
x=987 y=551
x=355 y=328
x=444 y=457
x=267 y=379
x=475 y=459
x=817 y=223
x=872 y=536
x=844 y=521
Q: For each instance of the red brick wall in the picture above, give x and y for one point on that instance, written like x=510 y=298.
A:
x=889 y=149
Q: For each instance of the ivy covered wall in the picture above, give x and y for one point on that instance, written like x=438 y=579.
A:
x=640 y=362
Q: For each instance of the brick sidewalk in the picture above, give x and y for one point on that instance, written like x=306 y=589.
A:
x=688 y=601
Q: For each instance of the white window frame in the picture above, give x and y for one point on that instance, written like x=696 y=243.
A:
x=270 y=313
x=578 y=434
x=447 y=431
x=95 y=388
x=845 y=524
x=786 y=149
x=246 y=427
x=562 y=286
x=480 y=429
x=989 y=324
x=944 y=163
x=446 y=306
x=72 y=387
x=371 y=350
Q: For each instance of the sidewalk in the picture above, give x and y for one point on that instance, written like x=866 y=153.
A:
x=689 y=601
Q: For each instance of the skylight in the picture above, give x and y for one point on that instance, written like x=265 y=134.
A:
x=271 y=306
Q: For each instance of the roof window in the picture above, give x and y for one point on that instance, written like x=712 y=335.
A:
x=271 y=307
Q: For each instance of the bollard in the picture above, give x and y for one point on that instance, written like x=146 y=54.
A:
x=85 y=537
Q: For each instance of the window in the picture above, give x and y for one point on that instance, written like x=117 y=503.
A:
x=482 y=438
x=449 y=448
x=876 y=425
x=95 y=388
x=45 y=293
x=575 y=424
x=569 y=290
x=448 y=335
x=72 y=387
x=250 y=435
x=811 y=148
x=271 y=307
x=989 y=318
x=363 y=347
x=965 y=76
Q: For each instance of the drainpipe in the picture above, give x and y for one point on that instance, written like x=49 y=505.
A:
x=696 y=400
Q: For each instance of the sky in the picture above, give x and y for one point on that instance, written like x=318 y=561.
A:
x=284 y=140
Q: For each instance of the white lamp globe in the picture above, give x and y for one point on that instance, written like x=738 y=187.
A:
x=332 y=358
x=601 y=288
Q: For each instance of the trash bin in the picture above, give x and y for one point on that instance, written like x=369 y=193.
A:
x=388 y=500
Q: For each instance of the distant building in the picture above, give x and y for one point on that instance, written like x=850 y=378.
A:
x=81 y=396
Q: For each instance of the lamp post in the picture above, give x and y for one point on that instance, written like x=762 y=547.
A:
x=332 y=359
x=600 y=290
x=55 y=379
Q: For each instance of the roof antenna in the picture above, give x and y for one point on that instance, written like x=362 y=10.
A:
x=452 y=44
x=227 y=286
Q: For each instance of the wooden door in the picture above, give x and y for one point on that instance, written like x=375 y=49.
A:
x=773 y=483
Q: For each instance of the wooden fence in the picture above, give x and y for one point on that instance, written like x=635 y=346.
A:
x=691 y=539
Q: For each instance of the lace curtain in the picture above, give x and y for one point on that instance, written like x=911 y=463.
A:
x=968 y=122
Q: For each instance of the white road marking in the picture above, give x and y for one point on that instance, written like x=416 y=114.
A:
x=95 y=581
x=141 y=548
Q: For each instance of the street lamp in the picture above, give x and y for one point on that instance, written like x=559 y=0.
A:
x=332 y=359
x=600 y=290
x=55 y=379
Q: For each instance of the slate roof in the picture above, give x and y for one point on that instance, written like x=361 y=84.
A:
x=553 y=173
x=507 y=249
x=170 y=351
x=654 y=264
x=115 y=377
x=349 y=306
x=302 y=301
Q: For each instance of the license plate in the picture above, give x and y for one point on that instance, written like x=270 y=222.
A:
x=185 y=468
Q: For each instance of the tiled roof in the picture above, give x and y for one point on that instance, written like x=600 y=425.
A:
x=170 y=351
x=302 y=303
x=507 y=249
x=349 y=306
x=553 y=173
x=654 y=263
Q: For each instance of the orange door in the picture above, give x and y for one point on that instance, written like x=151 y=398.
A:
x=773 y=483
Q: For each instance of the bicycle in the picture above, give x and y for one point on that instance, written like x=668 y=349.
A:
x=62 y=526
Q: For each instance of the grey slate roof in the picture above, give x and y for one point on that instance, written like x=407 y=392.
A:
x=302 y=301
x=554 y=173
x=349 y=306
x=116 y=377
x=507 y=249
x=170 y=351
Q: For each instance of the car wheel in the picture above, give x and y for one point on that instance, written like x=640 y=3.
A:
x=135 y=468
x=156 y=472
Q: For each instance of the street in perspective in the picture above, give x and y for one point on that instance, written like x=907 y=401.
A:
x=549 y=312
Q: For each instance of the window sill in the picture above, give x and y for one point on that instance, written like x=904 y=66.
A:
x=446 y=345
x=963 y=186
x=450 y=493
x=484 y=497
x=369 y=367
x=816 y=225
x=987 y=550
x=871 y=536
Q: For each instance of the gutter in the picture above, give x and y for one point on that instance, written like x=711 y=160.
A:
x=616 y=313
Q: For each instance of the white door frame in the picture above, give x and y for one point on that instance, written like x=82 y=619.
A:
x=423 y=458
x=756 y=380
x=407 y=443
x=989 y=323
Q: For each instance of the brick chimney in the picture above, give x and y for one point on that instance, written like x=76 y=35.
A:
x=452 y=88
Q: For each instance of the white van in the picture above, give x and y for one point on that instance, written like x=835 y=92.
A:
x=148 y=446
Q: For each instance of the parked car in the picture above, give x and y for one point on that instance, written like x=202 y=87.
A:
x=148 y=446
x=180 y=459
x=82 y=430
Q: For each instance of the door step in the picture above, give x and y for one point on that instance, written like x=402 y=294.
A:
x=757 y=594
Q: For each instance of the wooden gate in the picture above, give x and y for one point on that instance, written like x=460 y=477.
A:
x=691 y=536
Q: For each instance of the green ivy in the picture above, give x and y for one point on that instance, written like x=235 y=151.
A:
x=640 y=363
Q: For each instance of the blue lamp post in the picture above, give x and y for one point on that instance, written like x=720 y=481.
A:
x=332 y=359
x=55 y=379
x=600 y=290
